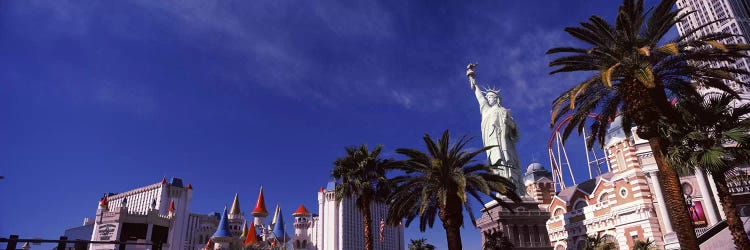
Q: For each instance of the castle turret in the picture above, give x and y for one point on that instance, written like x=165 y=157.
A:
x=260 y=212
x=252 y=237
x=278 y=236
x=235 y=217
x=222 y=238
x=301 y=238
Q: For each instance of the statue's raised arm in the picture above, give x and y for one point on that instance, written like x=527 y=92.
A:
x=478 y=93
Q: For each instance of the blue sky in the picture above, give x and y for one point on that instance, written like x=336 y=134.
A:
x=106 y=96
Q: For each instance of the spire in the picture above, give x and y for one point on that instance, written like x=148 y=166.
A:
x=301 y=211
x=260 y=205
x=278 y=233
x=276 y=213
x=171 y=207
x=163 y=180
x=235 y=205
x=321 y=190
x=223 y=229
x=244 y=229
x=190 y=186
x=251 y=238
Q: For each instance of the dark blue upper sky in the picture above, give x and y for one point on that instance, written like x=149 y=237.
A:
x=106 y=96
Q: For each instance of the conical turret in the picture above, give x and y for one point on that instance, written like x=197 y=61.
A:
x=244 y=230
x=235 y=205
x=252 y=237
x=278 y=234
x=235 y=213
x=222 y=238
x=260 y=206
x=276 y=214
x=104 y=204
x=171 y=208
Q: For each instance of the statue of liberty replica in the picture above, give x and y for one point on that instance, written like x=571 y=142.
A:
x=499 y=130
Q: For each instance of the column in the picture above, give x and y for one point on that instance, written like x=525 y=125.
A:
x=716 y=196
x=662 y=206
x=709 y=204
x=510 y=234
x=149 y=231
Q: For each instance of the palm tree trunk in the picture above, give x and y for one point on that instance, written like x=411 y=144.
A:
x=733 y=217
x=452 y=234
x=674 y=198
x=367 y=222
x=451 y=216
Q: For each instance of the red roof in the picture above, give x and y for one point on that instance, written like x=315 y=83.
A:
x=163 y=180
x=103 y=202
x=190 y=186
x=301 y=211
x=251 y=237
x=171 y=206
x=260 y=206
x=321 y=190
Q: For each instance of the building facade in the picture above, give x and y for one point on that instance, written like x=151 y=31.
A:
x=154 y=213
x=522 y=224
x=159 y=214
x=627 y=203
x=339 y=224
x=735 y=16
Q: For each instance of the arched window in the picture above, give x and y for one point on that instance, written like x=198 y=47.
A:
x=558 y=212
x=304 y=244
x=604 y=197
x=687 y=189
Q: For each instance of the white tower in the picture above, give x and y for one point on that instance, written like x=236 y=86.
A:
x=302 y=222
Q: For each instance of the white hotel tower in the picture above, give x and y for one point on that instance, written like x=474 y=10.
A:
x=737 y=21
x=339 y=225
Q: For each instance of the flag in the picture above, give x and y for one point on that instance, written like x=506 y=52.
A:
x=382 y=230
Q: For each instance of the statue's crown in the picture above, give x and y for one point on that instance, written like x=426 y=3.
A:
x=496 y=91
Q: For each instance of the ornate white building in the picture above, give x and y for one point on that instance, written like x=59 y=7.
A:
x=627 y=203
x=339 y=225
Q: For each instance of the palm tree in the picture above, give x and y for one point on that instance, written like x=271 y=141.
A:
x=362 y=175
x=634 y=73
x=644 y=245
x=496 y=241
x=439 y=182
x=714 y=137
x=420 y=244
x=598 y=242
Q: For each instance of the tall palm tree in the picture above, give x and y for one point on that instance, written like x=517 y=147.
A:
x=420 y=244
x=362 y=176
x=439 y=182
x=634 y=72
x=715 y=137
